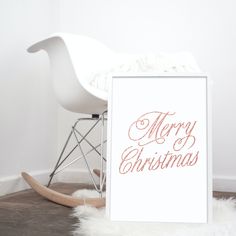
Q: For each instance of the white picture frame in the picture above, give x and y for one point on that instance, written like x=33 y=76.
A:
x=159 y=149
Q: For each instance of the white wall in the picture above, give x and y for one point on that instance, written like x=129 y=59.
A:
x=28 y=120
x=29 y=113
x=205 y=28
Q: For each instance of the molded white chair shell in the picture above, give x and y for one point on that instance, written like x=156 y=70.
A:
x=73 y=59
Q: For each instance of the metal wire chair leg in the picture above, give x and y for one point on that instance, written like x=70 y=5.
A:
x=101 y=178
x=61 y=160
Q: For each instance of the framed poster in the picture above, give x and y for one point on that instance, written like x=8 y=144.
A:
x=159 y=165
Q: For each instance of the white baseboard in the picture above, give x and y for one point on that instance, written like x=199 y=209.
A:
x=13 y=184
x=224 y=183
x=76 y=176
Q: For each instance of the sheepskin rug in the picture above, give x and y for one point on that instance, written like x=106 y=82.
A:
x=93 y=222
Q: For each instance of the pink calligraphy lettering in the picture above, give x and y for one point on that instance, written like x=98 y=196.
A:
x=158 y=129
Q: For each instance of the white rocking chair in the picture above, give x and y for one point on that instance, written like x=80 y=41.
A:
x=73 y=60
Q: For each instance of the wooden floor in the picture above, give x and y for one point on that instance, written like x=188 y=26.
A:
x=28 y=214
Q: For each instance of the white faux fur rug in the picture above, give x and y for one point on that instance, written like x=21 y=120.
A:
x=92 y=222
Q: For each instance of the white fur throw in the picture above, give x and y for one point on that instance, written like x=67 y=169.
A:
x=152 y=63
x=92 y=222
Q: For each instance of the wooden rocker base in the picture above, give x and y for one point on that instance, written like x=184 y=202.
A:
x=60 y=198
x=98 y=173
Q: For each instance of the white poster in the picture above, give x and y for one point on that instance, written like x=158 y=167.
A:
x=158 y=153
